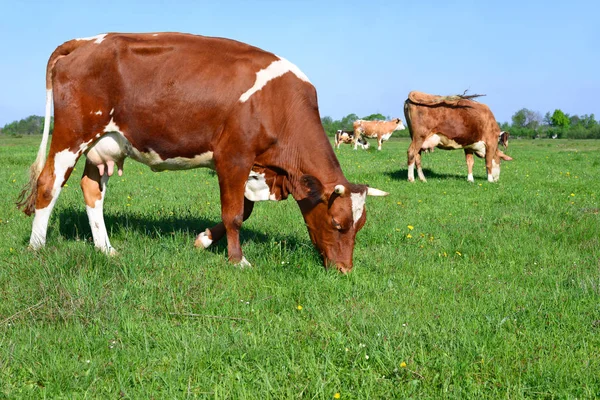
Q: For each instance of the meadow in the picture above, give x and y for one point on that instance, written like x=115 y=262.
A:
x=459 y=290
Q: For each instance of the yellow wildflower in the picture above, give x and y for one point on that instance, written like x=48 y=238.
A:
x=299 y=307
x=409 y=236
x=336 y=396
x=459 y=253
x=402 y=364
x=410 y=227
x=572 y=194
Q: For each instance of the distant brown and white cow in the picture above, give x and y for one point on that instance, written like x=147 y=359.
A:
x=452 y=122
x=342 y=136
x=382 y=130
x=177 y=101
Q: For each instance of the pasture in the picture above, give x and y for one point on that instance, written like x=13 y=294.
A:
x=459 y=290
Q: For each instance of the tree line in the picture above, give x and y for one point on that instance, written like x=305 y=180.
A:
x=524 y=123
x=530 y=124
x=32 y=125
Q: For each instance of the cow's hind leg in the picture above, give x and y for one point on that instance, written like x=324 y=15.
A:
x=470 y=162
x=414 y=157
x=54 y=175
x=93 y=186
x=216 y=233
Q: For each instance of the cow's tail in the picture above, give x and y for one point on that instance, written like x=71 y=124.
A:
x=407 y=117
x=27 y=197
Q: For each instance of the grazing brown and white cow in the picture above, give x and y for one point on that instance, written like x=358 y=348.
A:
x=342 y=136
x=177 y=101
x=452 y=122
x=382 y=130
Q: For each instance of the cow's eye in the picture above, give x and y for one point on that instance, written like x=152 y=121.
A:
x=336 y=224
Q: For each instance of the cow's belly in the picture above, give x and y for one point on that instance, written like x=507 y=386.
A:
x=444 y=142
x=113 y=147
x=386 y=136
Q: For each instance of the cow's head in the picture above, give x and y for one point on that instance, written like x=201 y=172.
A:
x=399 y=125
x=496 y=165
x=333 y=217
x=362 y=142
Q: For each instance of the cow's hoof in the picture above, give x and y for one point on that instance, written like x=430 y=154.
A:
x=243 y=263
x=203 y=240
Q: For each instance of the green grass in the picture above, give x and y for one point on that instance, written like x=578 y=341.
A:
x=496 y=294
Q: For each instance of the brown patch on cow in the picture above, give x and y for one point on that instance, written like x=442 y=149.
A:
x=91 y=185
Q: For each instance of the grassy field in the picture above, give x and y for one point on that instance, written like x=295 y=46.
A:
x=459 y=290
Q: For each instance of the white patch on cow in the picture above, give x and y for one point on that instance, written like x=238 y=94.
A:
x=112 y=126
x=411 y=172
x=156 y=163
x=99 y=112
x=155 y=34
x=96 y=217
x=204 y=240
x=385 y=137
x=97 y=39
x=256 y=188
x=274 y=70
x=478 y=148
x=358 y=205
x=400 y=127
x=111 y=111
x=495 y=171
x=470 y=178
x=431 y=142
x=63 y=160
x=40 y=225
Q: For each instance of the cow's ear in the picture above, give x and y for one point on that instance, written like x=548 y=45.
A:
x=312 y=188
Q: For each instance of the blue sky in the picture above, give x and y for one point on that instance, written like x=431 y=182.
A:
x=362 y=56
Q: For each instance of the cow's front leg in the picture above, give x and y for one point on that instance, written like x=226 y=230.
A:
x=216 y=233
x=233 y=175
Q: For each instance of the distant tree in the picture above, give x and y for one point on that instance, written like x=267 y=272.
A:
x=28 y=126
x=525 y=118
x=375 y=117
x=559 y=119
x=589 y=121
x=575 y=120
x=519 y=118
x=547 y=119
x=347 y=121
x=504 y=126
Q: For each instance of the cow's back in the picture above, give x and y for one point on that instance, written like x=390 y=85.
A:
x=175 y=92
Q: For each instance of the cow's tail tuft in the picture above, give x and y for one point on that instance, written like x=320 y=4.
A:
x=27 y=197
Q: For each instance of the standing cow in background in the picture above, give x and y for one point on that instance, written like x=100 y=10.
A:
x=176 y=101
x=342 y=136
x=382 y=130
x=452 y=122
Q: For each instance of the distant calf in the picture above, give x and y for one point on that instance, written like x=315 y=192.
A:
x=382 y=130
x=453 y=122
x=347 y=137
